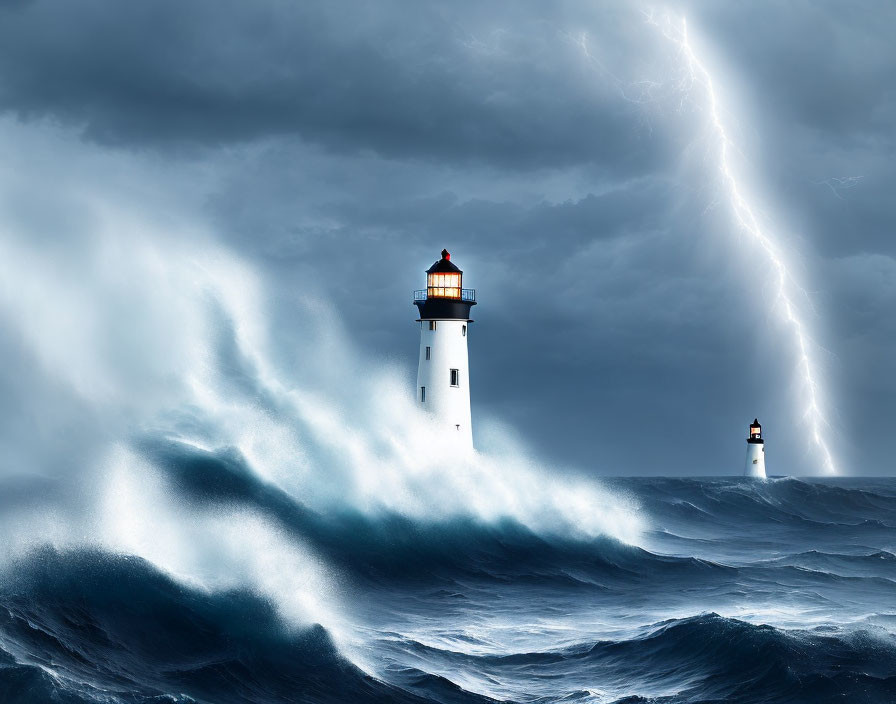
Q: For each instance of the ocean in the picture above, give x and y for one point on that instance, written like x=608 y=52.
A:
x=738 y=590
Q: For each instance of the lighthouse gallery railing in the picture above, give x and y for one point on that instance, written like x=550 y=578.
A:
x=466 y=294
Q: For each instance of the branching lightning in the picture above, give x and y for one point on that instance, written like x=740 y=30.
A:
x=840 y=183
x=746 y=220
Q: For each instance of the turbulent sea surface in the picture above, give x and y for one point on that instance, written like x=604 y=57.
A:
x=740 y=591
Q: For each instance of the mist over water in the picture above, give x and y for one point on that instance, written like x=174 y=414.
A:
x=136 y=337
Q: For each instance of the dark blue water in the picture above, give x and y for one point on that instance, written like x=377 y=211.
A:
x=741 y=591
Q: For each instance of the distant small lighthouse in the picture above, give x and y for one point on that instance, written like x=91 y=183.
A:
x=443 y=371
x=755 y=465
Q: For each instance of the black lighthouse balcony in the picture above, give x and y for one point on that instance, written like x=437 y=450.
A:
x=444 y=297
x=466 y=294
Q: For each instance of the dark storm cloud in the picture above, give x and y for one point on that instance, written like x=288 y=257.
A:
x=546 y=232
x=401 y=80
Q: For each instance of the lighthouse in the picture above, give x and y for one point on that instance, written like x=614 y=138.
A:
x=755 y=465
x=443 y=369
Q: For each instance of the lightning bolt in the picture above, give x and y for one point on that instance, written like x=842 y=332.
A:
x=746 y=221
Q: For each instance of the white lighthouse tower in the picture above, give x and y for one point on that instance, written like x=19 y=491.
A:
x=443 y=372
x=755 y=465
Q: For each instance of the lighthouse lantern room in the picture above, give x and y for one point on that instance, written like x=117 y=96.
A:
x=443 y=379
x=755 y=464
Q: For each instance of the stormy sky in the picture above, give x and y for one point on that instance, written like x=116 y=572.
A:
x=625 y=325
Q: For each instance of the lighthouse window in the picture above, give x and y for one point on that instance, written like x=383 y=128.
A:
x=432 y=324
x=443 y=285
x=422 y=394
x=463 y=330
x=428 y=352
x=454 y=377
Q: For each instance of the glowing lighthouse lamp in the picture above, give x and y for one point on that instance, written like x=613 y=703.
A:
x=755 y=465
x=443 y=370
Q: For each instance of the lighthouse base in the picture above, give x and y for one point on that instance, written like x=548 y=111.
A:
x=755 y=464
